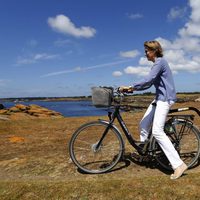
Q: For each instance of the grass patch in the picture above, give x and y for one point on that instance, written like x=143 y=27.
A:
x=147 y=188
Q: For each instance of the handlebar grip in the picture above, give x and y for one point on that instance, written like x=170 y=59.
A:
x=125 y=90
x=128 y=91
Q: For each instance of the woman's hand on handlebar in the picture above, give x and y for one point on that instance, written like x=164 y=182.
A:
x=126 y=89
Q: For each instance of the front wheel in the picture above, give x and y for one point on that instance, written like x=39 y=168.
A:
x=93 y=153
x=186 y=139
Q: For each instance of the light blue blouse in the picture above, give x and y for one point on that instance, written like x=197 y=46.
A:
x=161 y=77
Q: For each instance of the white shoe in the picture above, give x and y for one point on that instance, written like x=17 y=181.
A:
x=179 y=171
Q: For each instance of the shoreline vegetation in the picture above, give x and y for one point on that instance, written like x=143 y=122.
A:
x=27 y=99
x=86 y=98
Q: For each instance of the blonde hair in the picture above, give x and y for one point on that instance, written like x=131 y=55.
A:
x=154 y=45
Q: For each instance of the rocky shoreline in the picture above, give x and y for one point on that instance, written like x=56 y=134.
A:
x=20 y=111
x=130 y=103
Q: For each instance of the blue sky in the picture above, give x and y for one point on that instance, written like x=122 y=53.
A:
x=64 y=47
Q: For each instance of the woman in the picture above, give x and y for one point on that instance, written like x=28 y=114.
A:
x=161 y=77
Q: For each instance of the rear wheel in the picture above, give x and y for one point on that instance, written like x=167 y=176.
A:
x=186 y=139
x=91 y=156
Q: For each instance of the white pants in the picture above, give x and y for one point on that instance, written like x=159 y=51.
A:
x=157 y=115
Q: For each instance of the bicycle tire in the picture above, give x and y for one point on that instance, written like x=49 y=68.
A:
x=89 y=159
x=186 y=140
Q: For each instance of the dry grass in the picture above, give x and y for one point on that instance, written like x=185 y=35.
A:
x=34 y=164
x=148 y=188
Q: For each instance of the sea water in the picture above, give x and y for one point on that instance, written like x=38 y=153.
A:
x=66 y=108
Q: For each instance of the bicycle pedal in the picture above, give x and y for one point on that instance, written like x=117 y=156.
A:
x=135 y=156
x=146 y=159
x=141 y=159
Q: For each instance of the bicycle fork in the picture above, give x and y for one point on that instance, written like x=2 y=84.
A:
x=111 y=116
x=97 y=146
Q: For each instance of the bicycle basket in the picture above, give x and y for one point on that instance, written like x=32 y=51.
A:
x=102 y=96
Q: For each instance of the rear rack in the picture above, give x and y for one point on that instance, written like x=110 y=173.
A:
x=185 y=109
x=182 y=116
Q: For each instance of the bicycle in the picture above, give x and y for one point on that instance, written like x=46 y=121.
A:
x=96 y=147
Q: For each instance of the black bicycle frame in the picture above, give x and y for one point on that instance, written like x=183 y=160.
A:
x=116 y=115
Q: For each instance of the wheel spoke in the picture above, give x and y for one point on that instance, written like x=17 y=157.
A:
x=185 y=140
x=92 y=158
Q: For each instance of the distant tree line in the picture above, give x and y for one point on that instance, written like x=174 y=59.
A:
x=78 y=97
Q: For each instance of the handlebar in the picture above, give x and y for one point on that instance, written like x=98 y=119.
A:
x=119 y=95
x=124 y=92
x=127 y=91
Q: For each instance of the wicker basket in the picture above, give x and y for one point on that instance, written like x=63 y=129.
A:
x=102 y=96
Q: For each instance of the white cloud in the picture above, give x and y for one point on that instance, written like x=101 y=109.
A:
x=4 y=82
x=187 y=44
x=117 y=73
x=195 y=16
x=129 y=54
x=192 y=28
x=135 y=16
x=182 y=53
x=176 y=12
x=139 y=71
x=62 y=42
x=145 y=62
x=63 y=24
x=79 y=69
x=44 y=56
x=33 y=43
x=175 y=56
x=35 y=58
